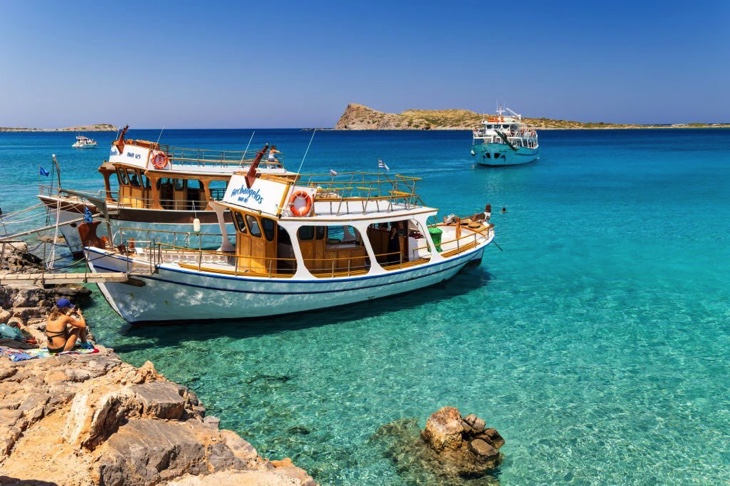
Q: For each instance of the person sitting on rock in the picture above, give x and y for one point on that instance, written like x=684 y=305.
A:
x=66 y=325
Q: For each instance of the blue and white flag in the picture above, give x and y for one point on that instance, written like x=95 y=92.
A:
x=382 y=165
x=44 y=172
x=88 y=217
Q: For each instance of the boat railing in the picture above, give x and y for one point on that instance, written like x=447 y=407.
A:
x=363 y=191
x=217 y=158
x=461 y=236
x=151 y=253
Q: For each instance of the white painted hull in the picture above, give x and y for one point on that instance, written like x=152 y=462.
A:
x=499 y=154
x=175 y=294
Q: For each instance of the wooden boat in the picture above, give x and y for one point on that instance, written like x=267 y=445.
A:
x=148 y=185
x=300 y=243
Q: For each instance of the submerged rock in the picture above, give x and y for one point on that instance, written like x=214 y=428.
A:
x=463 y=445
x=451 y=450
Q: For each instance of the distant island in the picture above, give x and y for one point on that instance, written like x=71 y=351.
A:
x=360 y=117
x=100 y=127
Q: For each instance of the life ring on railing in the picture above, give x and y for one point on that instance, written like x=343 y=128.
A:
x=159 y=160
x=296 y=206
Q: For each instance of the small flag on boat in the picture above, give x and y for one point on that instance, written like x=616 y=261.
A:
x=44 y=172
x=382 y=165
x=88 y=217
x=333 y=172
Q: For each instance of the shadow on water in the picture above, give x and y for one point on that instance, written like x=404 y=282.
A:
x=172 y=334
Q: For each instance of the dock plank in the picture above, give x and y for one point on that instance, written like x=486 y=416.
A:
x=52 y=278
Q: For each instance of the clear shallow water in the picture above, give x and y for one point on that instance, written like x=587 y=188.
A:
x=596 y=342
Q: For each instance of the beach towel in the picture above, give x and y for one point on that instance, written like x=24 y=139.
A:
x=24 y=354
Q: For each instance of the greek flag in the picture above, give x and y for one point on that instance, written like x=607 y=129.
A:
x=88 y=217
x=44 y=172
x=382 y=165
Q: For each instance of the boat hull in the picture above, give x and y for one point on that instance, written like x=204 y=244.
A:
x=499 y=154
x=176 y=294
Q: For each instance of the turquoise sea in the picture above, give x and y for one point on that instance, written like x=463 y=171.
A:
x=595 y=338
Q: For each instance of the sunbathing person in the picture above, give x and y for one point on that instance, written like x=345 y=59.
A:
x=66 y=325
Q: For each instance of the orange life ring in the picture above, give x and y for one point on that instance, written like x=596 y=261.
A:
x=159 y=160
x=298 y=209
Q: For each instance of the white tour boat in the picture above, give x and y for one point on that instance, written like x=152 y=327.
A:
x=504 y=140
x=301 y=243
x=149 y=186
x=84 y=142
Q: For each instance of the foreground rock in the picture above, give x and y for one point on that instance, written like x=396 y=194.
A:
x=92 y=419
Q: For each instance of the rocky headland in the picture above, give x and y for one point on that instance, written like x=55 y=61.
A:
x=91 y=419
x=360 y=117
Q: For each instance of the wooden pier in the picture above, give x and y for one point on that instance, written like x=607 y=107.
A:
x=58 y=278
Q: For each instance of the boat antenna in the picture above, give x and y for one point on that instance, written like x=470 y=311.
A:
x=306 y=151
x=158 y=138
x=243 y=157
x=58 y=170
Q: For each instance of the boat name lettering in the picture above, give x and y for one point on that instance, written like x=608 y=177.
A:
x=244 y=193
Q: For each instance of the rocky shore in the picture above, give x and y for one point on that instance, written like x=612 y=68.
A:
x=91 y=419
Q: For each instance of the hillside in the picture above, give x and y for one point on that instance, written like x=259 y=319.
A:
x=360 y=117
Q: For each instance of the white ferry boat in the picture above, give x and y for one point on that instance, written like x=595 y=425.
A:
x=84 y=142
x=504 y=140
x=300 y=244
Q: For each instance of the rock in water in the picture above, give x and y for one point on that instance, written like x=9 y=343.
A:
x=463 y=445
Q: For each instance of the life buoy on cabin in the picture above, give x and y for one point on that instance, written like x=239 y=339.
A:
x=300 y=203
x=159 y=160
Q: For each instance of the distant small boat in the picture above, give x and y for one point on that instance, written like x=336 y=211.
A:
x=84 y=142
x=504 y=140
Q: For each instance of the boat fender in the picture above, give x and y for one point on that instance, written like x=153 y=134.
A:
x=159 y=160
x=300 y=203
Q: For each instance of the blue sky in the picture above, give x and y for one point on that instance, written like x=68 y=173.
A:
x=216 y=64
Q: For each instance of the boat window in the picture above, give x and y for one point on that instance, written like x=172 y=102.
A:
x=133 y=177
x=217 y=190
x=269 y=228
x=193 y=194
x=342 y=234
x=122 y=175
x=253 y=226
x=179 y=184
x=166 y=194
x=305 y=233
x=284 y=238
x=238 y=222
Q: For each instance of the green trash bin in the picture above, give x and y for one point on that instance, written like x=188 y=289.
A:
x=436 y=237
